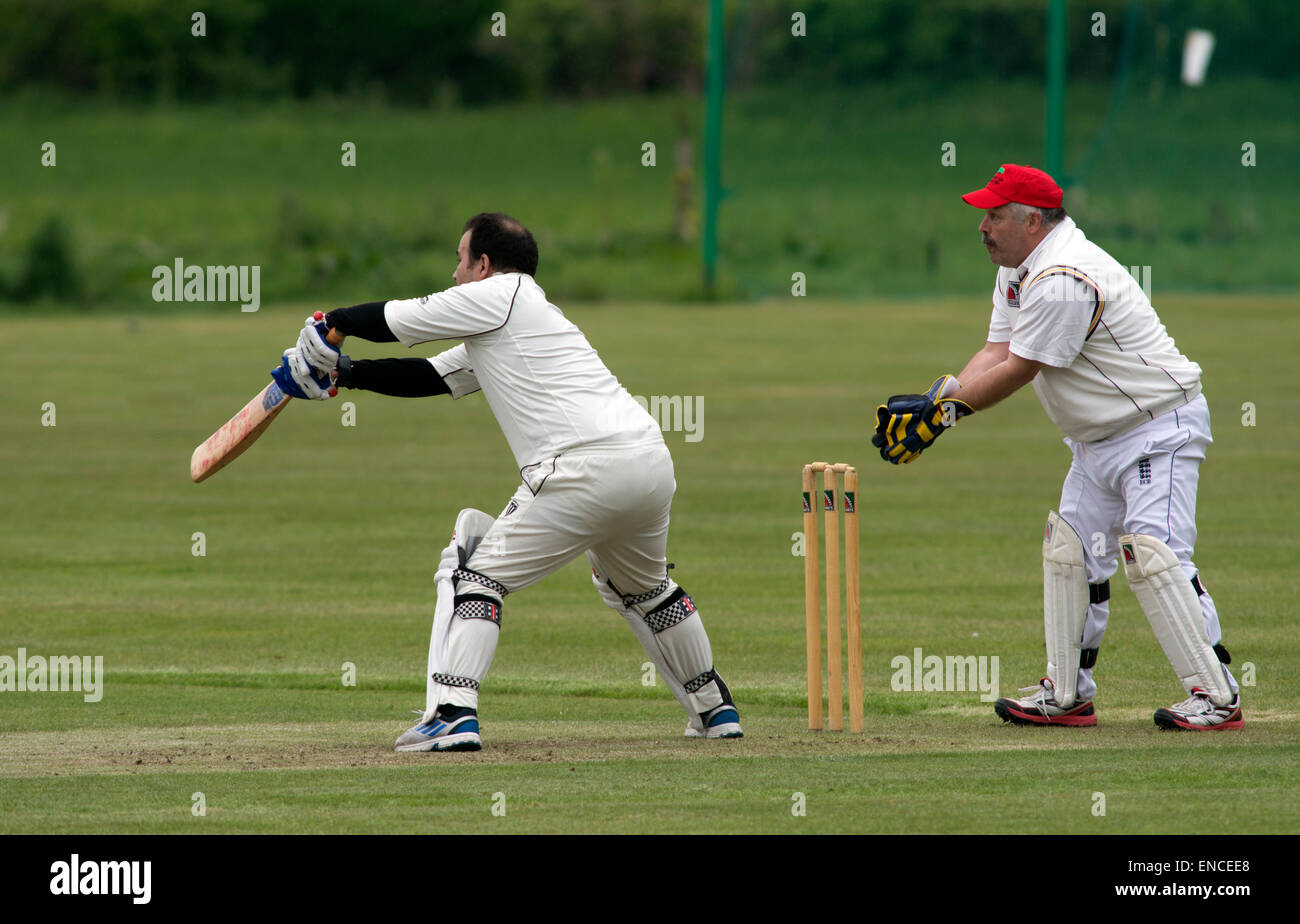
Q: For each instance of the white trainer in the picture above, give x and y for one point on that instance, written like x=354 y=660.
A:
x=1198 y=713
x=442 y=734
x=722 y=722
x=1041 y=708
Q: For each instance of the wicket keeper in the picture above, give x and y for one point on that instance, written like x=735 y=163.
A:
x=1070 y=319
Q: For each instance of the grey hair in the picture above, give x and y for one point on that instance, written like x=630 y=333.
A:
x=1051 y=217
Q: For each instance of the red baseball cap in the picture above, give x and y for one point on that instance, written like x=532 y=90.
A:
x=1014 y=183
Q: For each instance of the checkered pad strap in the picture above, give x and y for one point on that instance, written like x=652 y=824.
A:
x=669 y=613
x=464 y=574
x=478 y=606
x=658 y=590
x=699 y=682
x=451 y=680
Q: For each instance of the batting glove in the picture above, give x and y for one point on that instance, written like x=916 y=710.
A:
x=316 y=350
x=297 y=379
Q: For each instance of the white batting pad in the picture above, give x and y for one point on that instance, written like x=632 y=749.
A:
x=1065 y=606
x=668 y=672
x=471 y=526
x=438 y=646
x=1174 y=612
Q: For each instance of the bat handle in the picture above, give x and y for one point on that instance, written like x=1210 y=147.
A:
x=333 y=336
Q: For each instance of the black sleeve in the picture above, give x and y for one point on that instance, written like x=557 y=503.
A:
x=364 y=321
x=402 y=378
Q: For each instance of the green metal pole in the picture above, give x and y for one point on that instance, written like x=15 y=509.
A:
x=713 y=86
x=1056 y=53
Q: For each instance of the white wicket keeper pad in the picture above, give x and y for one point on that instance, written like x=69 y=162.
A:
x=1065 y=606
x=1174 y=612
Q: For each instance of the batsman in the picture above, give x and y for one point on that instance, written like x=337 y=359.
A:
x=596 y=476
x=1070 y=319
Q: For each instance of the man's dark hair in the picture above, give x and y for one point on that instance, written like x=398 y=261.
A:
x=1052 y=217
x=507 y=243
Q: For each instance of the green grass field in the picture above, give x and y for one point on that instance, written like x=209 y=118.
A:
x=223 y=672
x=846 y=187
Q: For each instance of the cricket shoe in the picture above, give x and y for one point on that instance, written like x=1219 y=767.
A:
x=1042 y=708
x=1198 y=713
x=457 y=731
x=722 y=722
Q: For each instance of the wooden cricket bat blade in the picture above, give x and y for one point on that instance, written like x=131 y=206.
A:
x=238 y=433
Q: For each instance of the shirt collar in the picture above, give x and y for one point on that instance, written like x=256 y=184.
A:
x=1023 y=269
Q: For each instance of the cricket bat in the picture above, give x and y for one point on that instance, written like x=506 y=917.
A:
x=242 y=430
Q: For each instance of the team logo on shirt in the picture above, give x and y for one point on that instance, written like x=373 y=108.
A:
x=1144 y=471
x=1013 y=294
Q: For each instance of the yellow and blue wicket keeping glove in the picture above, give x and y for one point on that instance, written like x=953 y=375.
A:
x=906 y=425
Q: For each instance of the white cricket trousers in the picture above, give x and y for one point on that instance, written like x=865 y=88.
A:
x=1142 y=481
x=613 y=499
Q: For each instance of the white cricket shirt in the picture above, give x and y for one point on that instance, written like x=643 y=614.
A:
x=546 y=385
x=1109 y=364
